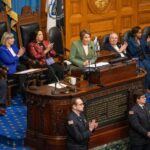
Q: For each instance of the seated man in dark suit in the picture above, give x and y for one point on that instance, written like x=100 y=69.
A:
x=113 y=45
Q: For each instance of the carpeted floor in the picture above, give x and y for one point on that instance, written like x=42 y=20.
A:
x=13 y=126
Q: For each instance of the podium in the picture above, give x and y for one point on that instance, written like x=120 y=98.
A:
x=109 y=74
x=114 y=73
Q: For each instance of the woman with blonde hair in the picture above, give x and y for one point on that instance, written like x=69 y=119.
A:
x=9 y=53
x=9 y=57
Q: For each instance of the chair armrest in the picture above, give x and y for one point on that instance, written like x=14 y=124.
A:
x=3 y=72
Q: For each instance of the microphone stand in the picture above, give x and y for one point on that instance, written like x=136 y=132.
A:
x=55 y=91
x=99 y=84
x=89 y=68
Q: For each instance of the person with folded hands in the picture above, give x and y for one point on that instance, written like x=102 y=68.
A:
x=82 y=52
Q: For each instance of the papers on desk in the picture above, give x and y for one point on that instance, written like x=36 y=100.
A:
x=27 y=71
x=99 y=64
x=58 y=85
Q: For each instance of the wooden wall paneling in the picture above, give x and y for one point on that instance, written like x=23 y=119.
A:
x=144 y=13
x=119 y=16
x=43 y=17
x=144 y=18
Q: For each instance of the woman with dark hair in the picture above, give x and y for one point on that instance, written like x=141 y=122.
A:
x=136 y=49
x=136 y=45
x=42 y=50
x=82 y=52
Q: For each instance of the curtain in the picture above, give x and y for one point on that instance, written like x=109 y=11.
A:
x=13 y=8
x=18 y=4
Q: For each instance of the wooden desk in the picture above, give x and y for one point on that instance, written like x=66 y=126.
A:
x=109 y=105
x=105 y=55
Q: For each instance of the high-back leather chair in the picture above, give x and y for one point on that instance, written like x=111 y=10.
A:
x=146 y=32
x=126 y=36
x=29 y=22
x=55 y=36
x=105 y=39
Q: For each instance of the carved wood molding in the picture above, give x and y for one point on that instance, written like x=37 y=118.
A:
x=98 y=6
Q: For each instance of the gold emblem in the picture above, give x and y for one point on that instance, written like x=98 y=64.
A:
x=101 y=4
x=98 y=6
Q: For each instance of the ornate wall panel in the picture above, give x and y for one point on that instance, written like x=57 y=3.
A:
x=101 y=16
x=144 y=13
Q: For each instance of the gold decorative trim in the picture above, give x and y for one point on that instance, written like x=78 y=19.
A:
x=98 y=6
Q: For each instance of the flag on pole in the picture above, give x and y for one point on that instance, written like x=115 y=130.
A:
x=51 y=13
x=60 y=14
x=13 y=15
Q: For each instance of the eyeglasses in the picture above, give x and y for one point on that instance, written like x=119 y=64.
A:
x=80 y=104
x=143 y=96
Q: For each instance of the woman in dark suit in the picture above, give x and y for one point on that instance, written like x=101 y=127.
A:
x=136 y=49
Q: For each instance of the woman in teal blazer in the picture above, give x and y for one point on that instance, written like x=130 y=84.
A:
x=82 y=52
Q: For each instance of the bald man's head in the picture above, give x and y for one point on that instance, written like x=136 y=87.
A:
x=113 y=39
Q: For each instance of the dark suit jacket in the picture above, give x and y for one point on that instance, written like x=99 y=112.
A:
x=7 y=59
x=77 y=132
x=108 y=46
x=132 y=48
x=139 y=121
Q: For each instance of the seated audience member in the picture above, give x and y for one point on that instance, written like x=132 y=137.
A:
x=42 y=50
x=113 y=45
x=139 y=123
x=78 y=129
x=9 y=53
x=136 y=45
x=3 y=89
x=136 y=49
x=82 y=52
x=9 y=57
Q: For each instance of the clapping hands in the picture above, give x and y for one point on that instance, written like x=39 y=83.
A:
x=93 y=125
x=123 y=47
x=21 y=51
